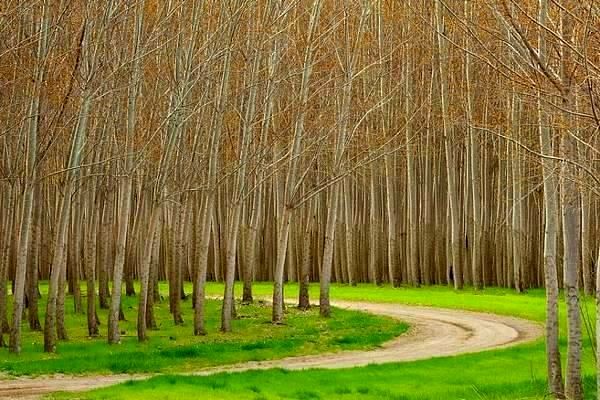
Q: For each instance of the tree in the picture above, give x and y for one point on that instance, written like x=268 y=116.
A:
x=455 y=242
x=126 y=185
x=349 y=55
x=26 y=220
x=291 y=180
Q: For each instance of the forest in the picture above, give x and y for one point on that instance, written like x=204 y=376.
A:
x=168 y=168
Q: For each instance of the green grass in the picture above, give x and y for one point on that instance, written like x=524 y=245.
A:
x=494 y=300
x=509 y=374
x=175 y=349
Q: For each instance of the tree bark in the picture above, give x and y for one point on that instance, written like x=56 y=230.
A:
x=292 y=163
x=59 y=260
x=30 y=177
x=126 y=184
x=455 y=240
x=553 y=360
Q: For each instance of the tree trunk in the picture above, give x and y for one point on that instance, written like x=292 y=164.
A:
x=59 y=260
x=328 y=247
x=4 y=263
x=571 y=217
x=175 y=251
x=294 y=155
x=153 y=226
x=201 y=254
x=33 y=293
x=305 y=266
x=121 y=250
x=106 y=251
x=126 y=184
x=517 y=234
x=90 y=257
x=30 y=177
x=153 y=294
x=553 y=360
x=74 y=253
x=58 y=264
x=61 y=329
x=571 y=213
x=587 y=256
x=240 y=185
x=349 y=230
x=455 y=240
x=475 y=241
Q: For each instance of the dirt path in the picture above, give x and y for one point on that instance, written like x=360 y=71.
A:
x=434 y=332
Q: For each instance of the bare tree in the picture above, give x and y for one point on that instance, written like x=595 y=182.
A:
x=291 y=180
x=26 y=219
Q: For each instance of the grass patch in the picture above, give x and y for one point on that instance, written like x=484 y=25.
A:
x=174 y=349
x=508 y=374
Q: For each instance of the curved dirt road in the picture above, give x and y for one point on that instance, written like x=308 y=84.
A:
x=433 y=332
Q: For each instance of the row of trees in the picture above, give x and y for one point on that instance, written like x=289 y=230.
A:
x=347 y=140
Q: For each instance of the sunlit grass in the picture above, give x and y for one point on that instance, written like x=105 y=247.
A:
x=509 y=374
x=175 y=349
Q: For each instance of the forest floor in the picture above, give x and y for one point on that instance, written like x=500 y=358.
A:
x=434 y=332
x=174 y=349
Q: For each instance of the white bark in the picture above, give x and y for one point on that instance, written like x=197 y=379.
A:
x=455 y=240
x=292 y=165
x=126 y=185
x=30 y=177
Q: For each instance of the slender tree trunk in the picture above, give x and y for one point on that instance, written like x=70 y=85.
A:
x=126 y=185
x=258 y=208
x=252 y=247
x=475 y=241
x=61 y=329
x=4 y=264
x=28 y=199
x=571 y=216
x=230 y=261
x=294 y=155
x=350 y=237
x=305 y=267
x=587 y=256
x=59 y=259
x=154 y=225
x=203 y=232
x=282 y=245
x=328 y=247
x=412 y=207
x=373 y=275
x=336 y=188
x=553 y=359
x=153 y=293
x=106 y=251
x=58 y=264
x=33 y=293
x=455 y=240
x=74 y=252
x=517 y=201
x=121 y=251
x=175 y=256
x=239 y=189
x=429 y=265
x=571 y=237
x=90 y=256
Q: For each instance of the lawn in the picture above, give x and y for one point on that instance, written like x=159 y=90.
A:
x=174 y=348
x=510 y=374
